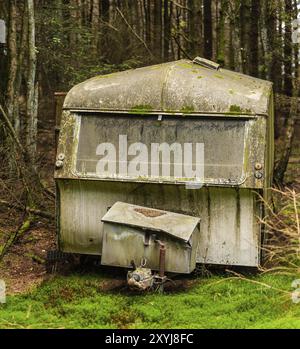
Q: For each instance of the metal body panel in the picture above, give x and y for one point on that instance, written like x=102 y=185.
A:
x=178 y=225
x=230 y=233
x=180 y=86
x=123 y=244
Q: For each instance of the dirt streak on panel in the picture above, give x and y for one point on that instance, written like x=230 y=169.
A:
x=238 y=217
x=208 y=222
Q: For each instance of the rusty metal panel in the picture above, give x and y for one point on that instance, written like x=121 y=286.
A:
x=178 y=225
x=230 y=233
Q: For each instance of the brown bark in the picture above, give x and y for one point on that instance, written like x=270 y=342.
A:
x=13 y=58
x=288 y=48
x=167 y=29
x=253 y=44
x=207 y=29
x=282 y=165
x=95 y=25
x=157 y=30
x=32 y=90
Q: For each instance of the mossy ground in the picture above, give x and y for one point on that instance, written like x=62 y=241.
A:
x=92 y=299
x=84 y=301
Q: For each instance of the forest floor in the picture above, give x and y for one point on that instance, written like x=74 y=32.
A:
x=95 y=297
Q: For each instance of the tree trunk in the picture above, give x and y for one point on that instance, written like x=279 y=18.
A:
x=207 y=29
x=253 y=37
x=147 y=9
x=228 y=47
x=236 y=34
x=21 y=71
x=95 y=25
x=282 y=165
x=157 y=30
x=167 y=29
x=246 y=30
x=288 y=48
x=195 y=28
x=32 y=90
x=12 y=58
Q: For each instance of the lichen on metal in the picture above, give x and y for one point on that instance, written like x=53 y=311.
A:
x=177 y=86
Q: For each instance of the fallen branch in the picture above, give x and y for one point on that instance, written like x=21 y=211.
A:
x=24 y=227
x=35 y=258
x=12 y=130
x=242 y=277
x=27 y=209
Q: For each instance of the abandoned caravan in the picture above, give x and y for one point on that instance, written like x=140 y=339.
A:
x=196 y=199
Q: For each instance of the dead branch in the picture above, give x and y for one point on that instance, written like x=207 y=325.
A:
x=181 y=48
x=29 y=165
x=134 y=32
x=11 y=130
x=27 y=209
x=23 y=228
x=242 y=277
x=180 y=6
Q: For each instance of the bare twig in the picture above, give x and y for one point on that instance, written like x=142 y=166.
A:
x=180 y=6
x=27 y=209
x=31 y=168
x=181 y=48
x=12 y=130
x=24 y=226
x=134 y=32
x=242 y=277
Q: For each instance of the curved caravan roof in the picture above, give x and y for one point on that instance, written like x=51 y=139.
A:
x=181 y=87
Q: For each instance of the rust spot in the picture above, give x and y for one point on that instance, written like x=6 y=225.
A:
x=149 y=213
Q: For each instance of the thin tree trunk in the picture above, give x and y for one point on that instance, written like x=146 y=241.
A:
x=245 y=29
x=289 y=136
x=236 y=34
x=253 y=37
x=192 y=28
x=13 y=59
x=167 y=29
x=207 y=29
x=228 y=49
x=32 y=91
x=95 y=25
x=157 y=30
x=147 y=7
x=21 y=71
x=288 y=48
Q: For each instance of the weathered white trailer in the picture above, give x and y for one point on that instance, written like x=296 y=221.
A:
x=178 y=102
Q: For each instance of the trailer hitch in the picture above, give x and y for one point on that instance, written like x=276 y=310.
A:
x=142 y=278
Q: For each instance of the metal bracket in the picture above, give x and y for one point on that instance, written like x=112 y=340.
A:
x=206 y=63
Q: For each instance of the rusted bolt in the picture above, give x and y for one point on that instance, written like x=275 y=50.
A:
x=59 y=164
x=258 y=166
x=258 y=175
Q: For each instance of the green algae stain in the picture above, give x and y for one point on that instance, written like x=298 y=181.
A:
x=187 y=109
x=235 y=109
x=141 y=109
